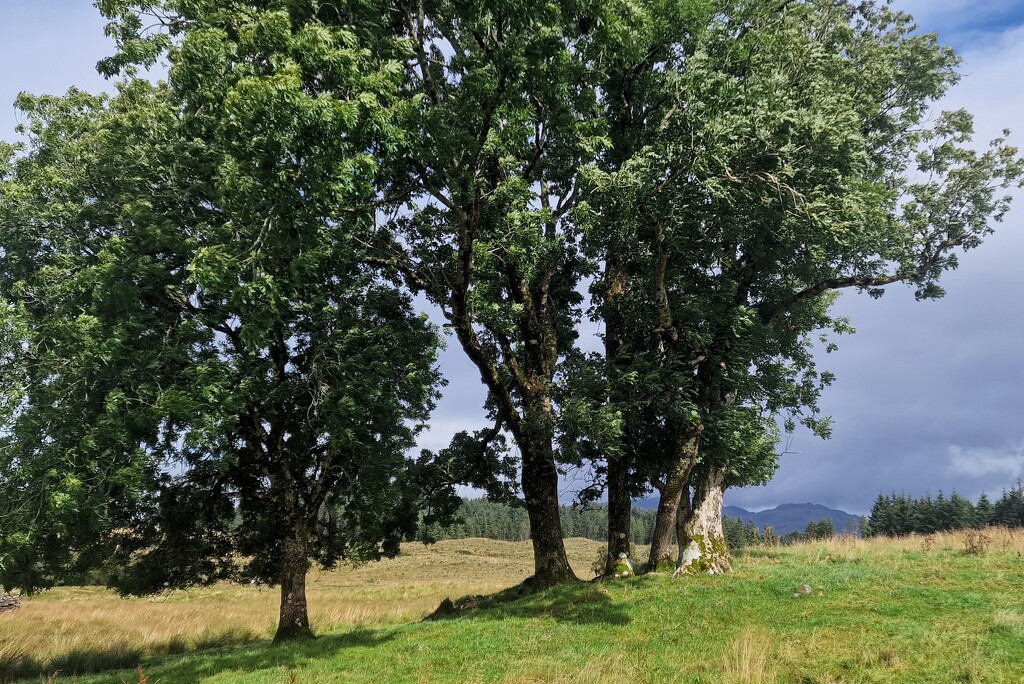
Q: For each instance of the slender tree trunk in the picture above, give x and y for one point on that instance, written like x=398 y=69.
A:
x=683 y=517
x=294 y=619
x=619 y=504
x=619 y=510
x=705 y=550
x=671 y=494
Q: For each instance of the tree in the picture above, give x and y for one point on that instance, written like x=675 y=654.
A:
x=785 y=156
x=187 y=267
x=982 y=512
x=1009 y=510
x=820 y=529
x=486 y=210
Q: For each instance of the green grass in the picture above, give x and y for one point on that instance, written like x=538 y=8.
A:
x=905 y=611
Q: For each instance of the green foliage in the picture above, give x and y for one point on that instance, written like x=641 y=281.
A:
x=204 y=341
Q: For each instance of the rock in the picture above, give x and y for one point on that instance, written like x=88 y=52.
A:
x=805 y=589
x=9 y=603
x=796 y=594
x=623 y=568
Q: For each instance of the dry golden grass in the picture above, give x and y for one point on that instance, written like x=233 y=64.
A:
x=849 y=548
x=67 y=627
x=748 y=660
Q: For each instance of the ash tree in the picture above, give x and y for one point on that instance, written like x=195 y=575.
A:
x=203 y=378
x=486 y=212
x=773 y=154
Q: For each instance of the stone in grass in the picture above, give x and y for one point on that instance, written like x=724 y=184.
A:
x=9 y=603
x=623 y=568
x=805 y=589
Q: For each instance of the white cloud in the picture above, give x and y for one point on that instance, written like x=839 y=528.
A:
x=979 y=462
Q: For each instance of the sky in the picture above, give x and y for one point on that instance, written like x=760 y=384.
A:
x=929 y=396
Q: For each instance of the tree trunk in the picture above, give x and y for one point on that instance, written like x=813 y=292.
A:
x=540 y=489
x=671 y=495
x=705 y=550
x=619 y=509
x=619 y=504
x=294 y=619
x=683 y=517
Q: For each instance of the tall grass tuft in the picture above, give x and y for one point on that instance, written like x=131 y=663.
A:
x=748 y=659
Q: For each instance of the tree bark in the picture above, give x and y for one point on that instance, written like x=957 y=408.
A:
x=619 y=510
x=683 y=517
x=540 y=489
x=688 y=441
x=294 y=617
x=619 y=504
x=705 y=550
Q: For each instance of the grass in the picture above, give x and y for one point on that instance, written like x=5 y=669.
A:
x=920 y=609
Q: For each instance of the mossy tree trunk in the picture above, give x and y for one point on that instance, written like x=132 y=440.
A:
x=705 y=550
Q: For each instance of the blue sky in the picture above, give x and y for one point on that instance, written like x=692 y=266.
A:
x=929 y=395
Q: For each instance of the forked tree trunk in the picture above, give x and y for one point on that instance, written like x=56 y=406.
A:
x=294 y=618
x=619 y=509
x=705 y=550
x=668 y=505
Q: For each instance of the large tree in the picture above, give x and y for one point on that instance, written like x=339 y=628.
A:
x=784 y=152
x=486 y=210
x=211 y=383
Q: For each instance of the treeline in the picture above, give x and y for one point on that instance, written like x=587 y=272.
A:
x=739 y=534
x=900 y=514
x=504 y=522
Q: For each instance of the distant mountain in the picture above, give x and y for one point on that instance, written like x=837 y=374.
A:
x=794 y=517
x=783 y=519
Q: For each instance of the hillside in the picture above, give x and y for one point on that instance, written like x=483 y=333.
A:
x=795 y=517
x=914 y=610
x=784 y=518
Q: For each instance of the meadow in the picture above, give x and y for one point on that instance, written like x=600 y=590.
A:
x=938 y=608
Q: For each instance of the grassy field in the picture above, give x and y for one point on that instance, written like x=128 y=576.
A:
x=943 y=608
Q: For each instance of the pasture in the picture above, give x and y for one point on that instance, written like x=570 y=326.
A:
x=941 y=608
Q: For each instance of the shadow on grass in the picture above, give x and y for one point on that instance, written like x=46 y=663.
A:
x=192 y=665
x=576 y=602
x=291 y=655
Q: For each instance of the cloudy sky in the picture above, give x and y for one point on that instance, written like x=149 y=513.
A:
x=929 y=395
